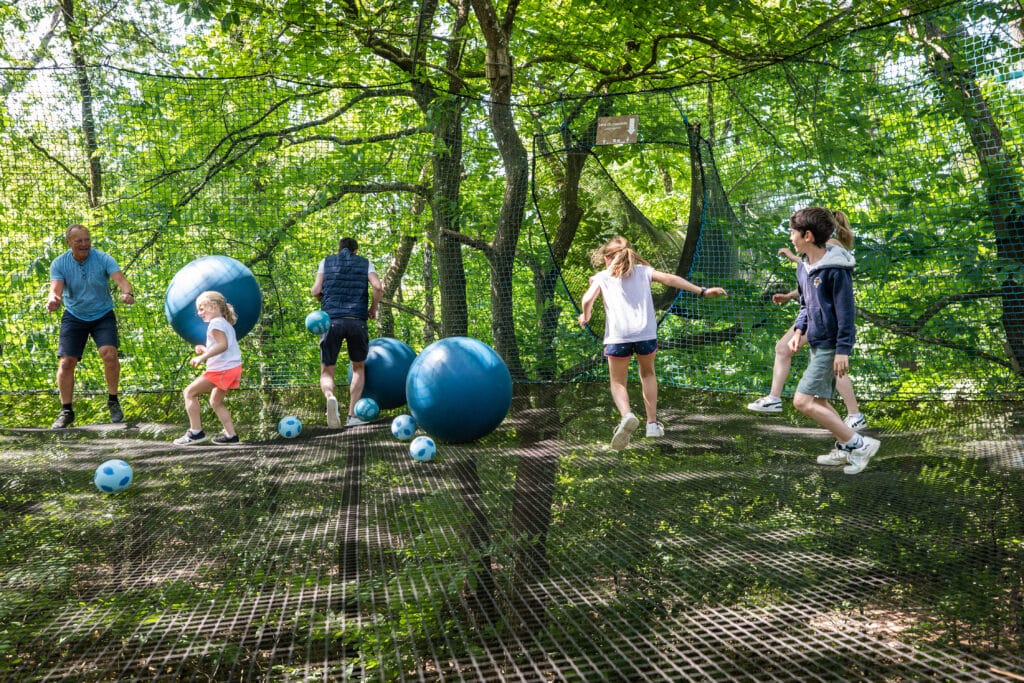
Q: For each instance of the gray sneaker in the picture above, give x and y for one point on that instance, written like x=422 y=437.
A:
x=859 y=457
x=354 y=421
x=620 y=439
x=766 y=404
x=838 y=456
x=65 y=418
x=116 y=413
x=855 y=421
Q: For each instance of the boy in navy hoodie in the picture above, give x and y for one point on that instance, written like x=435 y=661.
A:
x=825 y=281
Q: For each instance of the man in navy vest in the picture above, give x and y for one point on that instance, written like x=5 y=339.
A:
x=340 y=285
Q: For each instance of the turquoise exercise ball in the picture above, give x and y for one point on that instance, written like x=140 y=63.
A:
x=220 y=274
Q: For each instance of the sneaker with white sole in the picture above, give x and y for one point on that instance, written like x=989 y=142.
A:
x=354 y=421
x=65 y=418
x=855 y=421
x=333 y=421
x=620 y=439
x=223 y=439
x=859 y=457
x=655 y=429
x=838 y=456
x=190 y=438
x=766 y=404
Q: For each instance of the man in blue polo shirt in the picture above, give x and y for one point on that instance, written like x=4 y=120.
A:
x=340 y=285
x=79 y=280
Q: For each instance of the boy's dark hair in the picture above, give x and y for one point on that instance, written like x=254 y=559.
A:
x=347 y=243
x=819 y=221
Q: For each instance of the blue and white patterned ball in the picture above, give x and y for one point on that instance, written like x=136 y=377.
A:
x=422 y=449
x=403 y=427
x=366 y=409
x=318 y=322
x=289 y=427
x=113 y=476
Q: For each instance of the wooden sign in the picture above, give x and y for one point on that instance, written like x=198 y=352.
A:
x=617 y=130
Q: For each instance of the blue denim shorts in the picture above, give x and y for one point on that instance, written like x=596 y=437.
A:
x=627 y=349
x=74 y=333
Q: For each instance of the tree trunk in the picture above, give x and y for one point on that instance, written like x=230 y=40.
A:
x=1002 y=182
x=85 y=94
x=497 y=35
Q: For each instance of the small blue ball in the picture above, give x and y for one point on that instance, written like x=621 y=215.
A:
x=113 y=476
x=403 y=427
x=422 y=449
x=289 y=427
x=366 y=409
x=318 y=322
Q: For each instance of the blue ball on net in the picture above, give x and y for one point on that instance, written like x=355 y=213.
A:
x=289 y=427
x=113 y=476
x=366 y=409
x=403 y=427
x=422 y=449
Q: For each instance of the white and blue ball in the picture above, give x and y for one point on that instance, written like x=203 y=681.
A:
x=422 y=449
x=318 y=322
x=113 y=476
x=403 y=427
x=366 y=409
x=289 y=427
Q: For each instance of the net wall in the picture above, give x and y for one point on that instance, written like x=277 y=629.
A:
x=920 y=146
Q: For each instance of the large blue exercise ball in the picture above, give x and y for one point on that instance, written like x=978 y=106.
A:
x=387 y=367
x=459 y=389
x=218 y=273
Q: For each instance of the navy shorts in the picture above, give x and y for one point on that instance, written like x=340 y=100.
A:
x=74 y=333
x=349 y=330
x=627 y=349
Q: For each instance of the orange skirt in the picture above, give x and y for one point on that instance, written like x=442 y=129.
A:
x=224 y=379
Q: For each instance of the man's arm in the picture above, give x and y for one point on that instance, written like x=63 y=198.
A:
x=378 y=292
x=317 y=290
x=127 y=293
x=56 y=297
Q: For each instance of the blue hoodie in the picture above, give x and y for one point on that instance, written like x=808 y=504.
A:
x=827 y=309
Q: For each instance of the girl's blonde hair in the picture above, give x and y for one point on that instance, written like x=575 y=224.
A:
x=844 y=233
x=227 y=311
x=623 y=257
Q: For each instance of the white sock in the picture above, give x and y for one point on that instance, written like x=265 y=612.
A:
x=854 y=443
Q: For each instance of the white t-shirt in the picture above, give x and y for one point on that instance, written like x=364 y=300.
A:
x=628 y=306
x=369 y=268
x=231 y=357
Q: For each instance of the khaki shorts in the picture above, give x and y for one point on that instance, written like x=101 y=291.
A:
x=819 y=378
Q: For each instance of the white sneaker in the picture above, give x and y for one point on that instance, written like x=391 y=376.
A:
x=855 y=421
x=655 y=429
x=333 y=421
x=354 y=421
x=859 y=457
x=837 y=457
x=620 y=439
x=766 y=404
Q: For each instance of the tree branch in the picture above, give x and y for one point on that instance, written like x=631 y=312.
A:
x=77 y=178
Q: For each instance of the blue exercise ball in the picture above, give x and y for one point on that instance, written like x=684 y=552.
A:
x=459 y=389
x=218 y=273
x=387 y=366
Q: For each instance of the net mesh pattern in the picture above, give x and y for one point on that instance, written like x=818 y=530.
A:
x=536 y=553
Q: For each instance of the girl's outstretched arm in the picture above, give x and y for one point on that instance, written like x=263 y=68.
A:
x=673 y=280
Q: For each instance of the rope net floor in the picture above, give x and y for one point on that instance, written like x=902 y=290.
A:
x=720 y=552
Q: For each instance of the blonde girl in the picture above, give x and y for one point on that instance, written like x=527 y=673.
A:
x=631 y=327
x=223 y=372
